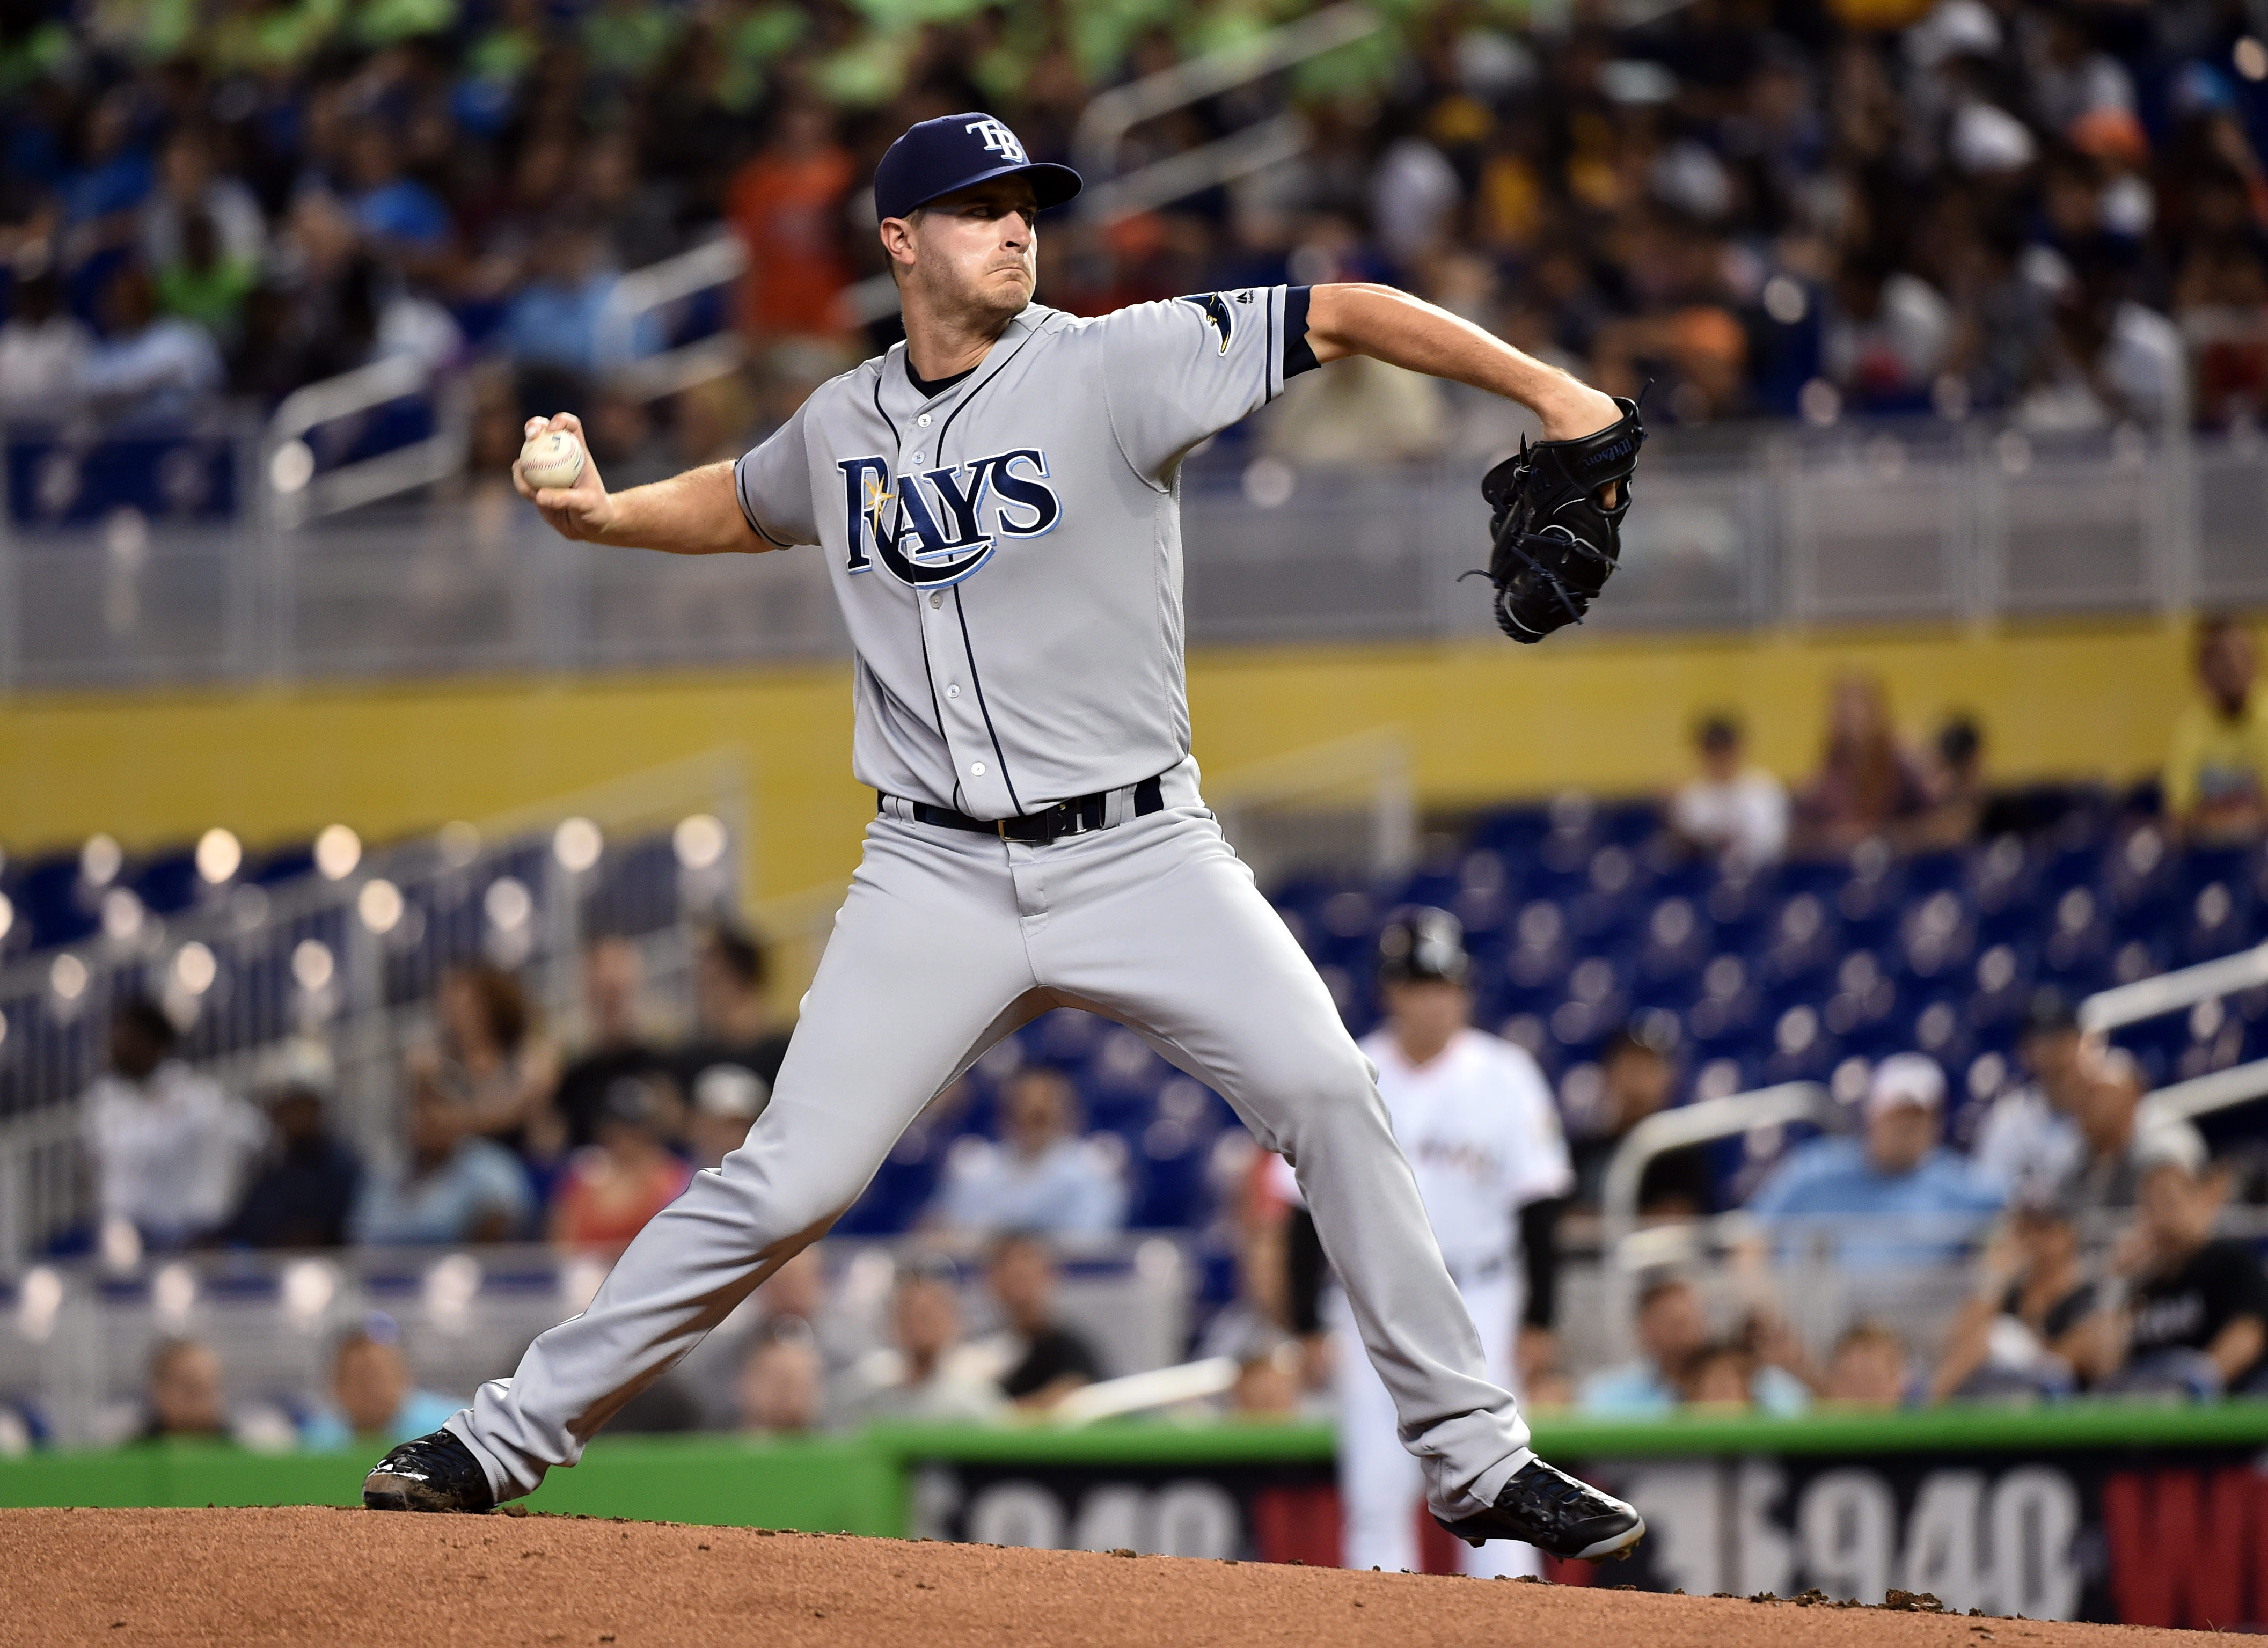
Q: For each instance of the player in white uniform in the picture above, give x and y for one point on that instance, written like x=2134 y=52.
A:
x=1475 y=1116
x=998 y=500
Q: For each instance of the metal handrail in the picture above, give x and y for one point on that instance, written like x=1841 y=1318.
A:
x=2170 y=992
x=715 y=262
x=1110 y=116
x=1699 y=1123
x=2219 y=1090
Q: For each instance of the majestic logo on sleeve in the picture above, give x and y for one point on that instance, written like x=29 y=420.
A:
x=1217 y=313
x=998 y=140
x=929 y=529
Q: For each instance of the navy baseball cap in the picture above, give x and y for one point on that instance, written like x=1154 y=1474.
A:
x=937 y=157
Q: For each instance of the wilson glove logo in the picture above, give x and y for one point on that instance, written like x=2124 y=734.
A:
x=929 y=529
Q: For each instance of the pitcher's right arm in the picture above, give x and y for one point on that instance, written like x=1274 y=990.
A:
x=697 y=512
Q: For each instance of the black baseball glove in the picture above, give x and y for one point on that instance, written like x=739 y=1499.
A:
x=1554 y=546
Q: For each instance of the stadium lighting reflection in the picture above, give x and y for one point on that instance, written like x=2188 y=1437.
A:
x=338 y=850
x=219 y=856
x=508 y=904
x=100 y=860
x=121 y=914
x=698 y=841
x=67 y=977
x=312 y=964
x=7 y=915
x=38 y=1299
x=380 y=906
x=194 y=967
x=576 y=844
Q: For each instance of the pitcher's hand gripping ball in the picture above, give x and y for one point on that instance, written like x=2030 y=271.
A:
x=551 y=460
x=1553 y=544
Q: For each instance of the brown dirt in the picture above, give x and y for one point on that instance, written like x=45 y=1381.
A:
x=312 y=1575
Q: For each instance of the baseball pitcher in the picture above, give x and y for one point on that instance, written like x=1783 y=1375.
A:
x=997 y=500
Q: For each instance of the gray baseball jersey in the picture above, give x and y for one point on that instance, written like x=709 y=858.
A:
x=1008 y=555
x=1008 y=552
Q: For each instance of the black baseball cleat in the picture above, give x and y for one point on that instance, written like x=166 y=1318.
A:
x=1554 y=1512
x=433 y=1473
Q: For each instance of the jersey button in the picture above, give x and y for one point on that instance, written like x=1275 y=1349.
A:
x=923 y=420
x=936 y=600
x=921 y=458
x=953 y=690
x=976 y=769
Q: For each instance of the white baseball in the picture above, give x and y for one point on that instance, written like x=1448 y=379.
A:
x=553 y=459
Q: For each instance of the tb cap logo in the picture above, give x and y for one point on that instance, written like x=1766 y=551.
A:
x=998 y=140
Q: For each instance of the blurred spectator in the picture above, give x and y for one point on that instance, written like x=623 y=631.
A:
x=43 y=347
x=185 y=1397
x=2196 y=1320
x=927 y=1372
x=1267 y=1382
x=1637 y=1077
x=783 y=1386
x=726 y=1106
x=1911 y=1200
x=786 y=204
x=146 y=366
x=1673 y=1330
x=555 y=318
x=1364 y=413
x=2119 y=1130
x=736 y=1044
x=1868 y=1368
x=614 y=984
x=1887 y=335
x=397 y=213
x=1718 y=1376
x=166 y=1145
x=495 y=1074
x=2108 y=360
x=611 y=1187
x=2216 y=777
x=1958 y=796
x=202 y=285
x=2030 y=1135
x=190 y=185
x=456 y=1185
x=375 y=1398
x=1867 y=782
x=2017 y=1334
x=1041 y=1177
x=1733 y=812
x=304 y=1185
x=1045 y=1360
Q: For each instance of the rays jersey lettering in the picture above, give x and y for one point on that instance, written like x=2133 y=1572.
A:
x=931 y=529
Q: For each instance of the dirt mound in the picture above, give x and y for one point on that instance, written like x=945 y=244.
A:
x=310 y=1575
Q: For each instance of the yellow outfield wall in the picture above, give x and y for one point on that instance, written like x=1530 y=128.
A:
x=1482 y=721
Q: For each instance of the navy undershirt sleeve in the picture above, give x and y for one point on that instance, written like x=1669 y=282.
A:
x=1299 y=357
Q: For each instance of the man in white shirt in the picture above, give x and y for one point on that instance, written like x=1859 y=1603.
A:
x=168 y=1147
x=1735 y=812
x=1475 y=1116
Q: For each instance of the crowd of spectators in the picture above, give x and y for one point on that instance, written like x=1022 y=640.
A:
x=2083 y=1211
x=2050 y=208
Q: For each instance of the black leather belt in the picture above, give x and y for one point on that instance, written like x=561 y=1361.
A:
x=1075 y=817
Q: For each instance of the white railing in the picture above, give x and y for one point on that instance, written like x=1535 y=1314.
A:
x=298 y=494
x=352 y=959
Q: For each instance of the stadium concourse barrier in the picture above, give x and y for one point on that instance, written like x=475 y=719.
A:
x=2141 y=1515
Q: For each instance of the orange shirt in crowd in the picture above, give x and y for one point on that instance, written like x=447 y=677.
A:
x=787 y=206
x=601 y=1206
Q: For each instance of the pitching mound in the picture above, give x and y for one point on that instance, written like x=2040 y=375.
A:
x=312 y=1575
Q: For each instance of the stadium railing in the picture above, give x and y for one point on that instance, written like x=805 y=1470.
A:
x=1629 y=1249
x=1736 y=530
x=249 y=969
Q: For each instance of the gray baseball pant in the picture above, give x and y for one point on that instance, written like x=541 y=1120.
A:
x=946 y=942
